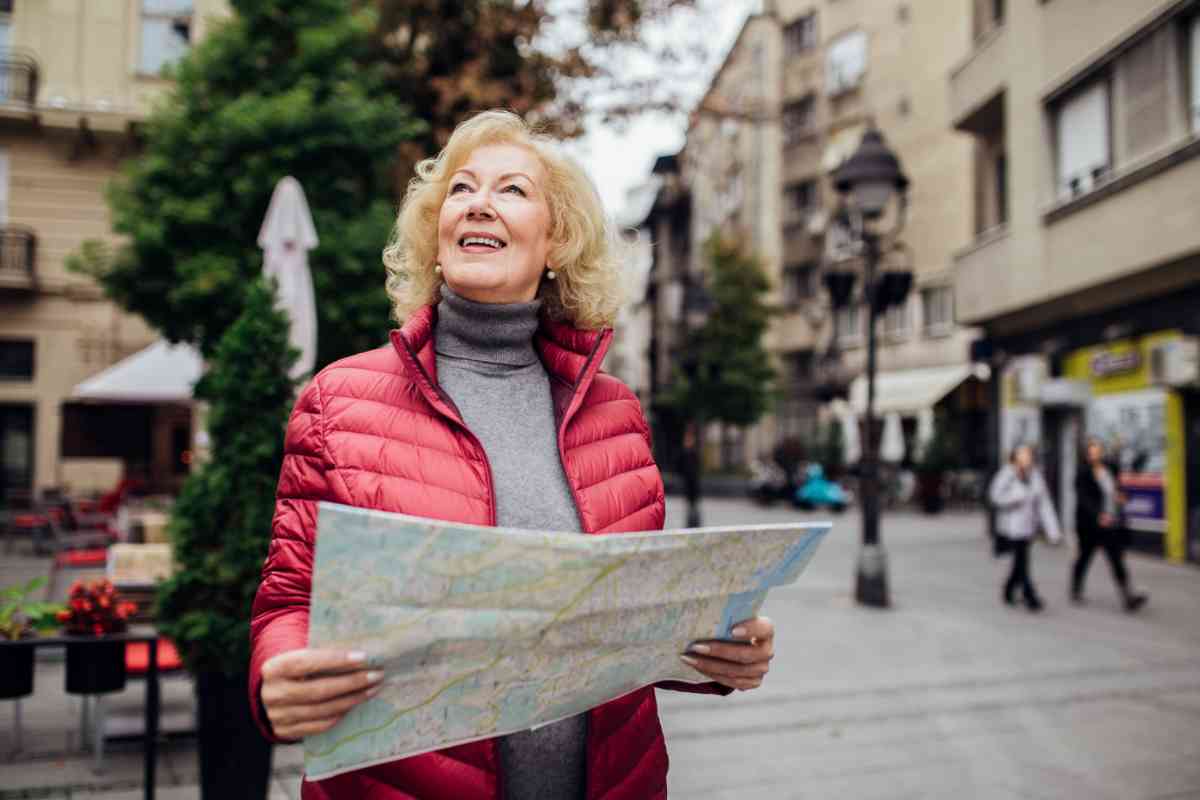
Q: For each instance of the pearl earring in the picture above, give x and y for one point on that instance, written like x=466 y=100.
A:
x=437 y=268
x=551 y=274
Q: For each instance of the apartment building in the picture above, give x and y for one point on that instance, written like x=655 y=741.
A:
x=77 y=78
x=1083 y=267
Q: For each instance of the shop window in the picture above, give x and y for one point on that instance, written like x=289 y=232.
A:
x=799 y=120
x=1082 y=139
x=166 y=33
x=937 y=306
x=16 y=360
x=800 y=36
x=845 y=63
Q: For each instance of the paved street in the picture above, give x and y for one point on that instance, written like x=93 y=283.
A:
x=951 y=694
x=948 y=695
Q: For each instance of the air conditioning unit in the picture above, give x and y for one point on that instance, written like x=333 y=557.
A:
x=1176 y=362
x=1027 y=384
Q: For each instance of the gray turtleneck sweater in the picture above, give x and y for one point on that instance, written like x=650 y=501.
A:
x=486 y=362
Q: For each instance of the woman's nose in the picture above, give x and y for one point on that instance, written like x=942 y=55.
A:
x=479 y=208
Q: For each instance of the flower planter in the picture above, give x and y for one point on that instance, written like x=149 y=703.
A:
x=16 y=671
x=95 y=668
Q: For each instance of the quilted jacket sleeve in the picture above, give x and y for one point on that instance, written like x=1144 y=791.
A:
x=279 y=620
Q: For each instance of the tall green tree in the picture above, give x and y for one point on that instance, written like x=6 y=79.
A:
x=727 y=374
x=284 y=87
x=221 y=524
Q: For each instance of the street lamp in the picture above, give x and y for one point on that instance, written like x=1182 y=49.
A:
x=697 y=305
x=868 y=181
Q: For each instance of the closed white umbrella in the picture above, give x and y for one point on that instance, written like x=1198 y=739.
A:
x=851 y=442
x=924 y=428
x=891 y=448
x=286 y=236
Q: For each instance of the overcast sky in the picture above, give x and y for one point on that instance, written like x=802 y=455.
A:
x=618 y=160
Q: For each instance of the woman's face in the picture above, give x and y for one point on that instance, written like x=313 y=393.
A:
x=1023 y=457
x=494 y=226
x=1095 y=453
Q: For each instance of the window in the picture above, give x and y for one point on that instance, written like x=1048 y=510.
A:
x=937 y=306
x=799 y=283
x=799 y=119
x=3 y=186
x=1194 y=48
x=1000 y=163
x=896 y=323
x=16 y=359
x=1082 y=140
x=848 y=325
x=1140 y=104
x=800 y=36
x=802 y=200
x=166 y=33
x=845 y=63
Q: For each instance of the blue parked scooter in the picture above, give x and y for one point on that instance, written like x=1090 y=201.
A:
x=819 y=492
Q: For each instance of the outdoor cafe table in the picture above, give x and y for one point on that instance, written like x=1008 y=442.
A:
x=137 y=633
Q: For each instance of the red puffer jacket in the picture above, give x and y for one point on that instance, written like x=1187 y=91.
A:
x=375 y=431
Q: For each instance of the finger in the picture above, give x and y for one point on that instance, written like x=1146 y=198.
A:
x=288 y=716
x=718 y=669
x=318 y=690
x=740 y=653
x=306 y=661
x=311 y=728
x=754 y=630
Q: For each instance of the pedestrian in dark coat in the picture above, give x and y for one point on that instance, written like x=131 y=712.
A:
x=1099 y=522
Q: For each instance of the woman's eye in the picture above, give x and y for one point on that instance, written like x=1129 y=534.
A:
x=512 y=187
x=460 y=187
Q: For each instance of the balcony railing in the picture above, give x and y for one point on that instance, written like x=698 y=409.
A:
x=18 y=78
x=18 y=257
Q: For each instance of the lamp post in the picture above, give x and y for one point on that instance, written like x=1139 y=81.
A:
x=868 y=181
x=697 y=304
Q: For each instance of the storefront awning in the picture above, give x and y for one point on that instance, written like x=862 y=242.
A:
x=160 y=373
x=911 y=390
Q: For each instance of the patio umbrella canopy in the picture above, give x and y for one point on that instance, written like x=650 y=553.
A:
x=286 y=236
x=160 y=373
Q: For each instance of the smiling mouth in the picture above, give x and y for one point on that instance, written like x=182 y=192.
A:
x=488 y=242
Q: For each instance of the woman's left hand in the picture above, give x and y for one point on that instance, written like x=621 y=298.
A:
x=741 y=664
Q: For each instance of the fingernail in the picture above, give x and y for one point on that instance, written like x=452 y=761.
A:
x=702 y=649
x=738 y=632
x=372 y=692
x=373 y=676
x=356 y=655
x=691 y=662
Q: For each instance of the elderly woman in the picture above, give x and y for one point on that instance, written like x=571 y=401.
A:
x=488 y=406
x=1023 y=505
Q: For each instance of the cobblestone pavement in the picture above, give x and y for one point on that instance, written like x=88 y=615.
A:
x=949 y=694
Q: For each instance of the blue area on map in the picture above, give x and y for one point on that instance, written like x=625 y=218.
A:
x=744 y=605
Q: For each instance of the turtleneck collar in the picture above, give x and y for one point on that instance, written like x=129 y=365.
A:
x=495 y=333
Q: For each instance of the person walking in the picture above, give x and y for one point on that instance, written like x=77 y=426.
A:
x=1099 y=522
x=1023 y=505
x=487 y=407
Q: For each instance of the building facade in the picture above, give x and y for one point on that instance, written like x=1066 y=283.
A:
x=799 y=87
x=77 y=78
x=1083 y=267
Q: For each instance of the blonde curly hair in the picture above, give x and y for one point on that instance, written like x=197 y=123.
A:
x=584 y=248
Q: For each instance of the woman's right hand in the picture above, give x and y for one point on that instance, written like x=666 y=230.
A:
x=1107 y=520
x=306 y=692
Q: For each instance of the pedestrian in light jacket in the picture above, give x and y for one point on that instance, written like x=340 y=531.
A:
x=1099 y=522
x=488 y=407
x=1023 y=507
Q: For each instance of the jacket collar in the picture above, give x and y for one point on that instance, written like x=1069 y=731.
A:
x=571 y=356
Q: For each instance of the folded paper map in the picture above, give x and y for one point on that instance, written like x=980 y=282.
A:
x=484 y=631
